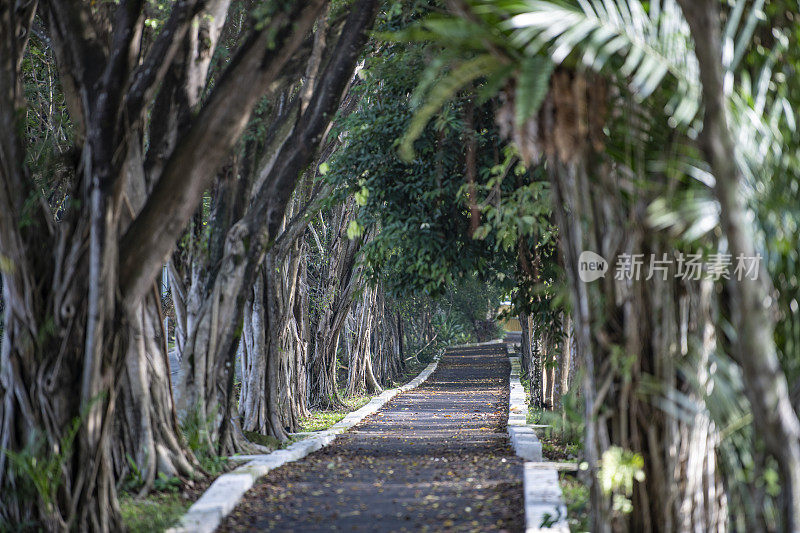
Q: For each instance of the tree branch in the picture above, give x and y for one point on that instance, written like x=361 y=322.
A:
x=182 y=85
x=159 y=58
x=23 y=214
x=298 y=223
x=79 y=55
x=270 y=202
x=213 y=134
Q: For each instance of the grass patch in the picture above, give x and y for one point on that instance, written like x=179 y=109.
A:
x=214 y=465
x=154 y=513
x=533 y=416
x=355 y=402
x=555 y=449
x=576 y=498
x=322 y=420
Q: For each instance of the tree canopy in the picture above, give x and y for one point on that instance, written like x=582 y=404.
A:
x=219 y=217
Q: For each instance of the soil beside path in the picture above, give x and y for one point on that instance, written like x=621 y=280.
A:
x=435 y=458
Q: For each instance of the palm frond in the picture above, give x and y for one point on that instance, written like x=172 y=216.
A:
x=760 y=119
x=645 y=46
x=532 y=85
x=743 y=40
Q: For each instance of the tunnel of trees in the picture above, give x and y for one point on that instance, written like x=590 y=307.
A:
x=220 y=216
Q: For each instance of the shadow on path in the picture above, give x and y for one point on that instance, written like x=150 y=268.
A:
x=435 y=458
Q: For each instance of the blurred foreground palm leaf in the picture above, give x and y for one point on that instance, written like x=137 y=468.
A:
x=505 y=39
x=647 y=48
x=643 y=46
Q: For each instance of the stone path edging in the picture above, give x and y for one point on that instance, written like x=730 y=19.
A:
x=227 y=490
x=543 y=501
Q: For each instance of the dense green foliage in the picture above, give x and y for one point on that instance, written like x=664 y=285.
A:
x=423 y=242
x=424 y=238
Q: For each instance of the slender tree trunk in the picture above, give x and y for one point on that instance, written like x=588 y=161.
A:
x=556 y=377
x=542 y=365
x=470 y=168
x=567 y=359
x=360 y=376
x=337 y=283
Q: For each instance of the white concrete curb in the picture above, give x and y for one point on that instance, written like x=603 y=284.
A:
x=227 y=490
x=523 y=438
x=544 y=507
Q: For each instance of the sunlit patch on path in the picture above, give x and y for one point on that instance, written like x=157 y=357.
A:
x=434 y=458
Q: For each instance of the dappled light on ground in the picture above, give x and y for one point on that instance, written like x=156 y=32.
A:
x=436 y=457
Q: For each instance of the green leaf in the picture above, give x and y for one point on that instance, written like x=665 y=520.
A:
x=362 y=196
x=354 y=230
x=532 y=84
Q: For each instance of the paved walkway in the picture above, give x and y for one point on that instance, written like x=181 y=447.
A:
x=435 y=458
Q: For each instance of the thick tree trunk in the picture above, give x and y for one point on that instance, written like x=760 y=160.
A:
x=386 y=342
x=62 y=351
x=44 y=424
x=287 y=349
x=753 y=345
x=75 y=292
x=302 y=323
x=526 y=342
x=147 y=438
x=208 y=359
x=637 y=334
x=629 y=332
x=274 y=405
x=64 y=332
x=208 y=379
x=146 y=428
x=273 y=395
x=253 y=398
x=531 y=359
